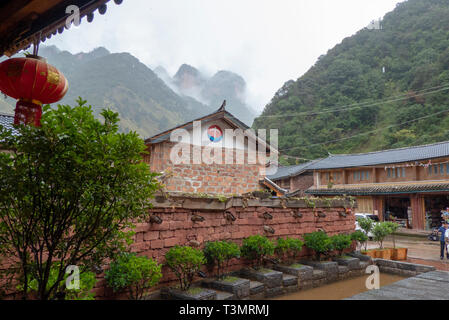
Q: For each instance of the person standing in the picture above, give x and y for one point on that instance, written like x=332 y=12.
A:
x=443 y=239
x=446 y=236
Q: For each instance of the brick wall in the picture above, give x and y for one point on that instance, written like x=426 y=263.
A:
x=206 y=178
x=154 y=240
x=301 y=182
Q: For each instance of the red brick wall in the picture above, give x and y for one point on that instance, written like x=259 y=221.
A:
x=154 y=240
x=204 y=178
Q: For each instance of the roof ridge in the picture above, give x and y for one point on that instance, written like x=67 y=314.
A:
x=387 y=150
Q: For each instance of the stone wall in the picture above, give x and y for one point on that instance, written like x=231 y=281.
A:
x=292 y=218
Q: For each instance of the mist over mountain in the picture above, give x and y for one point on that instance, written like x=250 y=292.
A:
x=223 y=85
x=381 y=88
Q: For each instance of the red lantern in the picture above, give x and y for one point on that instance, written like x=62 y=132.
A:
x=33 y=82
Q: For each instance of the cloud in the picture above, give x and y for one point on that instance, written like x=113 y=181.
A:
x=267 y=42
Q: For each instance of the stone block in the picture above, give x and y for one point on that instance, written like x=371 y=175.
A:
x=270 y=278
x=192 y=294
x=303 y=272
x=239 y=287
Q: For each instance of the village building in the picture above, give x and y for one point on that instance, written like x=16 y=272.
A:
x=408 y=184
x=292 y=180
x=214 y=154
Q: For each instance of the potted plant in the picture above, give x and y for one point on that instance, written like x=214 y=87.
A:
x=133 y=274
x=397 y=253
x=380 y=231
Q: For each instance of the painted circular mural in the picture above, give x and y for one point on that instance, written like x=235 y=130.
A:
x=215 y=133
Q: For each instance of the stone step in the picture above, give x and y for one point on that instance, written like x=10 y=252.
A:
x=256 y=287
x=223 y=295
x=318 y=274
x=289 y=280
x=342 y=269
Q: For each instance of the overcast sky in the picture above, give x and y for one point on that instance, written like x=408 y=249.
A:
x=267 y=42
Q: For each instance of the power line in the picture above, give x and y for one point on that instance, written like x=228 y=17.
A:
x=368 y=132
x=363 y=104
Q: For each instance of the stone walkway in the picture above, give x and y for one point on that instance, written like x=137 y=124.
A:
x=432 y=285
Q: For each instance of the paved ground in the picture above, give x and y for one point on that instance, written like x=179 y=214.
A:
x=420 y=250
x=432 y=285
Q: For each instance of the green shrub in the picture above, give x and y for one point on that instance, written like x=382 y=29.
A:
x=287 y=249
x=220 y=253
x=380 y=231
x=87 y=281
x=134 y=274
x=341 y=242
x=360 y=237
x=319 y=242
x=185 y=262
x=256 y=248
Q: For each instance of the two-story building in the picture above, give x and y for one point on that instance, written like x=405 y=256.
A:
x=411 y=184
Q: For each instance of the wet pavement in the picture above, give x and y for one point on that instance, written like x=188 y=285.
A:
x=432 y=285
x=420 y=250
x=339 y=290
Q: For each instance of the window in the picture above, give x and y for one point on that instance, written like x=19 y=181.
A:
x=403 y=172
x=389 y=173
x=363 y=175
x=367 y=175
x=441 y=168
x=435 y=169
x=394 y=173
x=399 y=172
x=429 y=170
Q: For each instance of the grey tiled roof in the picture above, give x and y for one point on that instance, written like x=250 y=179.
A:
x=381 y=190
x=289 y=171
x=416 y=153
x=7 y=120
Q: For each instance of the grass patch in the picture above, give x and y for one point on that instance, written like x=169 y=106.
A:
x=194 y=291
x=296 y=265
x=230 y=279
x=264 y=270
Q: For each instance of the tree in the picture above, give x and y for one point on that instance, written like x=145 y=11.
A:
x=71 y=191
x=366 y=224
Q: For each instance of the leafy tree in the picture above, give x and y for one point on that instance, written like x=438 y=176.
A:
x=185 y=262
x=367 y=225
x=134 y=274
x=71 y=190
x=256 y=248
x=380 y=231
x=393 y=226
x=360 y=237
x=220 y=253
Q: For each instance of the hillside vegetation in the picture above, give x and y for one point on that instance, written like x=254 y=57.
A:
x=378 y=89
